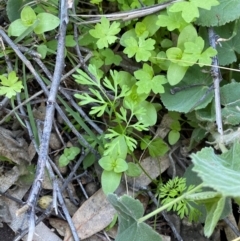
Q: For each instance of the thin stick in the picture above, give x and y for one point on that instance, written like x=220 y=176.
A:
x=216 y=78
x=128 y=15
x=43 y=152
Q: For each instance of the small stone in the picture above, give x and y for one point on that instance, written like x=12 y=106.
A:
x=91 y=188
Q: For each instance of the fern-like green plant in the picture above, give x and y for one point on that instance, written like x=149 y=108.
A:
x=173 y=189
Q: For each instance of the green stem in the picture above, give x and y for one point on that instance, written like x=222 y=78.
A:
x=140 y=220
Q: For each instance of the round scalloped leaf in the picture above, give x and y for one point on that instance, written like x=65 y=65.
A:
x=230 y=101
x=221 y=14
x=190 y=97
x=227 y=49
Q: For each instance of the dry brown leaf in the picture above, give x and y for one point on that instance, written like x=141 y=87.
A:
x=9 y=178
x=93 y=216
x=59 y=224
x=154 y=167
x=12 y=147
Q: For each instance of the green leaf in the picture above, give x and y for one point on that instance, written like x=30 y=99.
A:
x=88 y=160
x=111 y=57
x=149 y=116
x=83 y=78
x=69 y=41
x=214 y=212
x=228 y=50
x=175 y=125
x=151 y=25
x=174 y=54
x=206 y=57
x=63 y=161
x=98 y=110
x=127 y=35
x=185 y=100
x=188 y=34
x=156 y=147
x=133 y=170
x=134 y=98
x=160 y=60
x=120 y=165
x=147 y=82
x=204 y=197
x=141 y=48
x=42 y=49
x=10 y=86
x=117 y=146
x=14 y=8
x=205 y=4
x=71 y=152
x=219 y=172
x=171 y=21
x=190 y=9
x=226 y=11
x=131 y=143
x=166 y=43
x=106 y=163
x=141 y=29
x=129 y=210
x=68 y=155
x=110 y=181
x=175 y=73
x=230 y=101
x=125 y=78
x=192 y=51
x=105 y=33
x=16 y=28
x=47 y=22
x=28 y=16
x=173 y=137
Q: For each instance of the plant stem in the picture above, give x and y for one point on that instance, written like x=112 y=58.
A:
x=142 y=219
